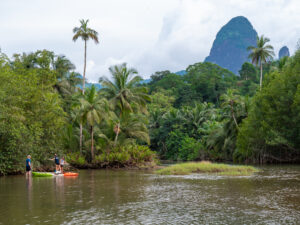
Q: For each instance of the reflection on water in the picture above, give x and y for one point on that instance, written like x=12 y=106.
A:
x=29 y=191
x=134 y=197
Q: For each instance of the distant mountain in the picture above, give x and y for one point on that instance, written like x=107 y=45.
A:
x=88 y=85
x=284 y=51
x=229 y=49
x=97 y=85
x=146 y=81
x=181 y=72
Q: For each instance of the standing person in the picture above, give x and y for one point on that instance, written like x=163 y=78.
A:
x=56 y=160
x=28 y=165
x=62 y=162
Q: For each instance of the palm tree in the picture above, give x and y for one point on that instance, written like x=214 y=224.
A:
x=230 y=100
x=66 y=80
x=124 y=92
x=70 y=139
x=261 y=53
x=197 y=116
x=93 y=110
x=62 y=66
x=85 y=33
x=134 y=127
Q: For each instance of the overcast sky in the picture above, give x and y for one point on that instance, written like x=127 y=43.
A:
x=150 y=35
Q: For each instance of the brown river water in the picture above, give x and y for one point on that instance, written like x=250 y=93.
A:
x=271 y=196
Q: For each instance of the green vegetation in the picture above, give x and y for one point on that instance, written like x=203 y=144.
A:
x=270 y=132
x=183 y=126
x=128 y=155
x=240 y=124
x=208 y=113
x=32 y=115
x=207 y=167
x=42 y=111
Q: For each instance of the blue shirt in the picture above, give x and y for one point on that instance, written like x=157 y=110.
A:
x=28 y=161
x=56 y=159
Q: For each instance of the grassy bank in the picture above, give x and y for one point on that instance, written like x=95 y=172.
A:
x=207 y=167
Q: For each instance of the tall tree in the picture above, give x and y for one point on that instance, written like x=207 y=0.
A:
x=85 y=33
x=261 y=53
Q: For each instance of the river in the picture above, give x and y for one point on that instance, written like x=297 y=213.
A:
x=272 y=196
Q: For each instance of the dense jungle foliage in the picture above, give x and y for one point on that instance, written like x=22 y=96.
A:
x=211 y=114
x=208 y=113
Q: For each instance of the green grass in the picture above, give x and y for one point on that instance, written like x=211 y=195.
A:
x=207 y=167
x=39 y=174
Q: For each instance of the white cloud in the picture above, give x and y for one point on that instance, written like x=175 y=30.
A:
x=149 y=35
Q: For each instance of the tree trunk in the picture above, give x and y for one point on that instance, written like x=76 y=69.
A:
x=84 y=68
x=80 y=138
x=83 y=88
x=117 y=134
x=232 y=113
x=260 y=81
x=92 y=147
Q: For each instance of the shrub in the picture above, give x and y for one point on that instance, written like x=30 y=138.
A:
x=190 y=149
x=128 y=155
x=76 y=159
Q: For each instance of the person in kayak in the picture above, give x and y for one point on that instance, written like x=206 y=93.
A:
x=62 y=162
x=56 y=160
x=28 y=165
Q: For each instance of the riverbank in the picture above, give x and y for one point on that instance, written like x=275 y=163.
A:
x=73 y=167
x=207 y=167
x=100 y=166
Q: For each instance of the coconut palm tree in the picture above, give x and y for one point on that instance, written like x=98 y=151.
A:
x=134 y=127
x=93 y=109
x=230 y=101
x=85 y=33
x=261 y=53
x=124 y=92
x=70 y=139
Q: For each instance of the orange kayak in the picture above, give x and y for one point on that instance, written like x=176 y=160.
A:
x=69 y=174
